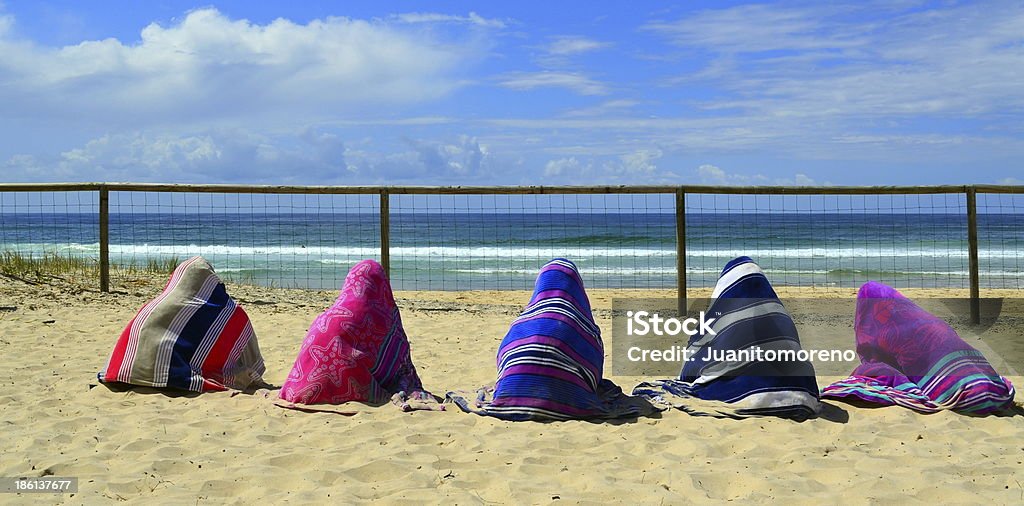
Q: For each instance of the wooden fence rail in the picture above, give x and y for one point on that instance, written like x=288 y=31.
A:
x=384 y=193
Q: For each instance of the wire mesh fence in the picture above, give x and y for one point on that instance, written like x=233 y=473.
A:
x=49 y=234
x=285 y=240
x=500 y=241
x=1001 y=240
x=905 y=240
x=497 y=238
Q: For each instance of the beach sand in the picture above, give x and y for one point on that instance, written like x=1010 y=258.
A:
x=143 y=445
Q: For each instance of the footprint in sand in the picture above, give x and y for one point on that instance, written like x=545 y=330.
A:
x=375 y=470
x=291 y=461
x=140 y=445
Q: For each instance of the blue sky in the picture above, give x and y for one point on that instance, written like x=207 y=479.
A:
x=512 y=92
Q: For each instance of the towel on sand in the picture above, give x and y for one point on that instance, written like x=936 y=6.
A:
x=551 y=361
x=914 y=359
x=193 y=336
x=748 y=314
x=357 y=350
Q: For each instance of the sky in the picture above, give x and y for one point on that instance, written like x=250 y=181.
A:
x=512 y=93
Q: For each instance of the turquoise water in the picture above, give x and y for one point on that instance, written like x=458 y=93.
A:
x=504 y=251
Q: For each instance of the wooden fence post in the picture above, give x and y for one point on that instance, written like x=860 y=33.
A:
x=385 y=232
x=681 y=249
x=972 y=245
x=104 y=239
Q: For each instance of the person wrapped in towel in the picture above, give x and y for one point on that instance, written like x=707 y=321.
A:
x=551 y=361
x=357 y=350
x=748 y=314
x=914 y=359
x=192 y=336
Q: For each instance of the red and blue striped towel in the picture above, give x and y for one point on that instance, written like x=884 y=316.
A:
x=193 y=336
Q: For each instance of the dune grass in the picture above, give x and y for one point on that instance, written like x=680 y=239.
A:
x=55 y=268
x=152 y=266
x=46 y=268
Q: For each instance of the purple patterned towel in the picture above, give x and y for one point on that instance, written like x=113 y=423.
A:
x=914 y=359
x=551 y=361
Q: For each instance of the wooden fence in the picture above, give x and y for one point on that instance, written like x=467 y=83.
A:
x=680 y=193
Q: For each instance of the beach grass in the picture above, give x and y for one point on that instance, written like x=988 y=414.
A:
x=56 y=268
x=53 y=268
x=49 y=267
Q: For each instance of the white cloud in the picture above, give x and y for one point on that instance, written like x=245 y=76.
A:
x=844 y=63
x=638 y=167
x=214 y=156
x=803 y=180
x=562 y=166
x=567 y=45
x=573 y=81
x=433 y=17
x=640 y=162
x=760 y=28
x=714 y=175
x=6 y=22
x=310 y=156
x=208 y=67
x=604 y=108
x=635 y=167
x=465 y=157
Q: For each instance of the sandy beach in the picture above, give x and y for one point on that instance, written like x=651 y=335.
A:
x=447 y=157
x=143 y=445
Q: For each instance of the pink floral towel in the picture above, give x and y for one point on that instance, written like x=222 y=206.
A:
x=357 y=350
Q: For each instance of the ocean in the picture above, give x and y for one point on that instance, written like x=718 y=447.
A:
x=456 y=251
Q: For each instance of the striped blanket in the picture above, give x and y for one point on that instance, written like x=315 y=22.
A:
x=748 y=315
x=914 y=359
x=551 y=361
x=193 y=336
x=357 y=350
